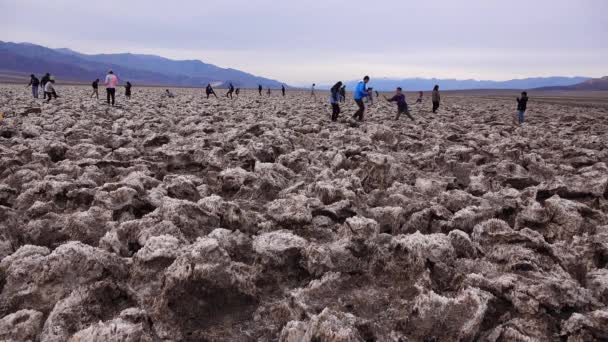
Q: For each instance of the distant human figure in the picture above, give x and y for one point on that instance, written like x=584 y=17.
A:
x=111 y=83
x=399 y=97
x=419 y=99
x=209 y=90
x=34 y=83
x=237 y=91
x=283 y=89
x=268 y=91
x=370 y=96
x=334 y=99
x=49 y=89
x=230 y=91
x=360 y=94
x=522 y=105
x=436 y=98
x=128 y=90
x=312 y=91
x=43 y=81
x=343 y=94
x=95 y=86
x=260 y=89
x=377 y=93
x=169 y=93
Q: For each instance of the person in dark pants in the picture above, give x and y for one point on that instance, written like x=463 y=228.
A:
x=230 y=91
x=283 y=90
x=111 y=83
x=436 y=98
x=522 y=105
x=49 y=89
x=34 y=83
x=260 y=89
x=128 y=90
x=334 y=99
x=209 y=91
x=95 y=86
x=401 y=104
x=237 y=91
x=360 y=94
x=343 y=94
x=43 y=81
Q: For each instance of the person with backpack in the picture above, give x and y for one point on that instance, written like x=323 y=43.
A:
x=522 y=105
x=95 y=86
x=111 y=83
x=128 y=90
x=399 y=97
x=334 y=99
x=209 y=91
x=230 y=91
x=436 y=98
x=43 y=81
x=360 y=94
x=34 y=83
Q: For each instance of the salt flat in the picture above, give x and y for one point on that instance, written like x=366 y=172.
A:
x=259 y=219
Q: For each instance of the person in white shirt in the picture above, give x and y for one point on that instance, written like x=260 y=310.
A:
x=111 y=83
x=49 y=89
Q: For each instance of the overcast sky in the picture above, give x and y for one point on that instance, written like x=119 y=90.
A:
x=321 y=41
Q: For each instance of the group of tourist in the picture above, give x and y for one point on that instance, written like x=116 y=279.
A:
x=337 y=95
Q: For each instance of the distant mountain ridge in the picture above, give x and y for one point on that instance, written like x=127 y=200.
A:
x=592 y=84
x=426 y=84
x=70 y=65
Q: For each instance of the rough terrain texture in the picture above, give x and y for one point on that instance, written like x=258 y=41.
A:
x=258 y=219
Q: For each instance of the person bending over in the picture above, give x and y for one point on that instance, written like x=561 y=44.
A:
x=209 y=91
x=399 y=97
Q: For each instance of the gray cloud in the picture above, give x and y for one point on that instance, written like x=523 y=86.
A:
x=307 y=41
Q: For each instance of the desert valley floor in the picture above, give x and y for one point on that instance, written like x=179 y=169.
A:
x=259 y=219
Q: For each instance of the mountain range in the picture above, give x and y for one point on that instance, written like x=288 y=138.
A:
x=425 y=84
x=592 y=84
x=18 y=60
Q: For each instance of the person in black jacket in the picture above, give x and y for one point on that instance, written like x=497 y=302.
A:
x=283 y=90
x=95 y=86
x=522 y=104
x=260 y=89
x=209 y=91
x=128 y=90
x=35 y=83
x=43 y=81
x=334 y=99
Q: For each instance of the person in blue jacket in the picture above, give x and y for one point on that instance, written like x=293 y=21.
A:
x=360 y=94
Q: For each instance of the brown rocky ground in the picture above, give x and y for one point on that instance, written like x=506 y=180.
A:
x=260 y=220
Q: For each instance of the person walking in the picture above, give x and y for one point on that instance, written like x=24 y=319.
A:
x=111 y=83
x=95 y=86
x=522 y=105
x=49 y=89
x=436 y=98
x=230 y=91
x=334 y=99
x=209 y=91
x=43 y=81
x=399 y=97
x=34 y=83
x=268 y=91
x=283 y=89
x=312 y=91
x=343 y=94
x=419 y=99
x=128 y=90
x=360 y=94
x=260 y=89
